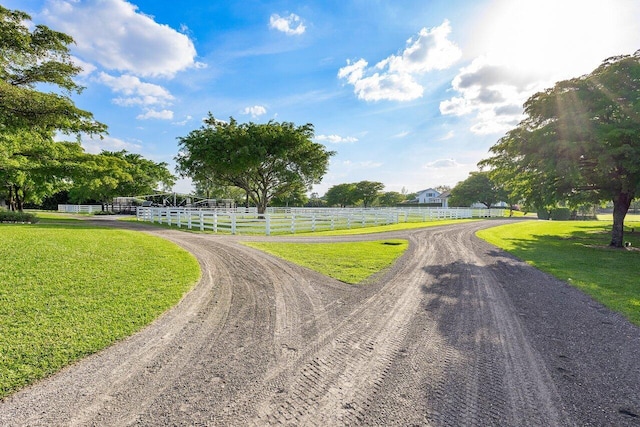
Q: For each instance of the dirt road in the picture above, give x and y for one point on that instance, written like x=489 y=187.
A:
x=456 y=333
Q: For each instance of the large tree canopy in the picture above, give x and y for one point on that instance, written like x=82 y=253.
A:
x=266 y=160
x=32 y=164
x=101 y=177
x=368 y=191
x=478 y=187
x=34 y=57
x=351 y=193
x=580 y=141
x=342 y=195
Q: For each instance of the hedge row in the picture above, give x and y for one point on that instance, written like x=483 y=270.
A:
x=11 y=216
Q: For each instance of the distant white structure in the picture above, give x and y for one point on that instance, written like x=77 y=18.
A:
x=433 y=197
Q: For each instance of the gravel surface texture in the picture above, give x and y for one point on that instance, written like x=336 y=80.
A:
x=456 y=333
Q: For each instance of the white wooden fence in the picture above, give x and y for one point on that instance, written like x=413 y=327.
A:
x=295 y=220
x=79 y=208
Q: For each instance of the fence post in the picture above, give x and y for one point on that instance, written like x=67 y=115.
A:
x=313 y=221
x=233 y=223
x=267 y=224
x=201 y=215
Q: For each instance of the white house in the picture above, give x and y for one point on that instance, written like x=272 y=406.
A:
x=432 y=197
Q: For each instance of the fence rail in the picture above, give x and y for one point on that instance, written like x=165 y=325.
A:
x=79 y=208
x=296 y=220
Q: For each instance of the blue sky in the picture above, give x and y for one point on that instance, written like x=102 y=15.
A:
x=408 y=93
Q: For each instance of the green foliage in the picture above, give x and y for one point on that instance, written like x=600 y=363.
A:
x=11 y=216
x=576 y=251
x=352 y=193
x=109 y=174
x=32 y=164
x=543 y=214
x=560 y=214
x=351 y=262
x=342 y=195
x=390 y=198
x=34 y=57
x=478 y=187
x=265 y=160
x=368 y=191
x=579 y=143
x=69 y=291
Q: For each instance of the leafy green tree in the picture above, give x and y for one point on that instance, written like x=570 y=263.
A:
x=32 y=164
x=110 y=174
x=391 y=198
x=296 y=197
x=368 y=191
x=265 y=160
x=580 y=141
x=342 y=195
x=30 y=59
x=478 y=187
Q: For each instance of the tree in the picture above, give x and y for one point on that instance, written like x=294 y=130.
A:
x=391 y=198
x=33 y=58
x=266 y=160
x=342 y=195
x=368 y=191
x=478 y=187
x=32 y=164
x=103 y=176
x=580 y=141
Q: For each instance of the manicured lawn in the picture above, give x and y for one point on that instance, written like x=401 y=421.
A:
x=67 y=291
x=390 y=227
x=577 y=251
x=351 y=262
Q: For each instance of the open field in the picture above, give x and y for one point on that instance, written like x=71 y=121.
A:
x=69 y=291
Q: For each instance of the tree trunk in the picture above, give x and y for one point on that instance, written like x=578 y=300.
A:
x=621 y=203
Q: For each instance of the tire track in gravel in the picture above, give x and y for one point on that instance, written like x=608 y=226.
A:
x=448 y=336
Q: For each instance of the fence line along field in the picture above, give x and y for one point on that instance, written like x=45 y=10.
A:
x=297 y=220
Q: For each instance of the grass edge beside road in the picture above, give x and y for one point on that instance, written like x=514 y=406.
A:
x=349 y=262
x=71 y=290
x=578 y=253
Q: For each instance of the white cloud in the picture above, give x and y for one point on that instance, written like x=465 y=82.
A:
x=153 y=114
x=186 y=120
x=136 y=91
x=108 y=143
x=494 y=93
x=402 y=134
x=394 y=78
x=336 y=139
x=523 y=47
x=291 y=25
x=448 y=136
x=87 y=68
x=442 y=164
x=255 y=111
x=367 y=164
x=114 y=34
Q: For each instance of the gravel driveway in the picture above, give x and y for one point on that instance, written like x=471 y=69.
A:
x=456 y=333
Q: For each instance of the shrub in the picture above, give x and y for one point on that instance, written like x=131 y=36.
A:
x=560 y=214
x=11 y=216
x=543 y=214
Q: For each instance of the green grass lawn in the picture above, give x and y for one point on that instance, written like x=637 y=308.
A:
x=384 y=228
x=351 y=262
x=67 y=291
x=578 y=252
